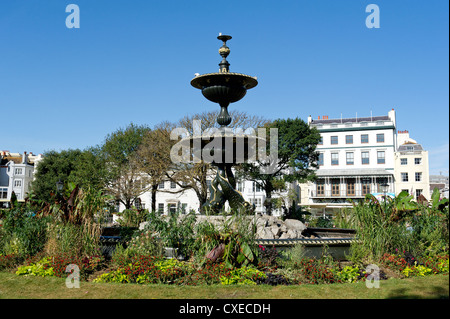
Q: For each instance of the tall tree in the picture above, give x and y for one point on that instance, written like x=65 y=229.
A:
x=153 y=157
x=296 y=158
x=90 y=169
x=54 y=166
x=124 y=178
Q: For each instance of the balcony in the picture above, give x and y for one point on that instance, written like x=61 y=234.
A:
x=342 y=194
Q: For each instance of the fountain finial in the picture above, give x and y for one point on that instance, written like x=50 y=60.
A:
x=224 y=51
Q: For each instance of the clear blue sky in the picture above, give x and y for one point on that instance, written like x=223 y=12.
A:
x=132 y=61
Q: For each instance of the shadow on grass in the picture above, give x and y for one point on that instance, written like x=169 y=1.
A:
x=436 y=292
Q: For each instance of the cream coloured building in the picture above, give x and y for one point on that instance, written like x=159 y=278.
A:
x=411 y=167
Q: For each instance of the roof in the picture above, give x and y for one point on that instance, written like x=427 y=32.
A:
x=410 y=147
x=15 y=159
x=352 y=120
x=7 y=159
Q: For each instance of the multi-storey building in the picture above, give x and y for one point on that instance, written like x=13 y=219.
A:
x=356 y=156
x=170 y=198
x=411 y=167
x=16 y=174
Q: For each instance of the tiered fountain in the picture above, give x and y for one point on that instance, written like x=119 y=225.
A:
x=225 y=87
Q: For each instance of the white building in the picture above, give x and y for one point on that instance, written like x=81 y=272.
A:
x=356 y=156
x=411 y=167
x=170 y=198
x=16 y=174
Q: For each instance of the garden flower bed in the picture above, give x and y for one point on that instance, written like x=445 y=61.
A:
x=147 y=269
x=226 y=255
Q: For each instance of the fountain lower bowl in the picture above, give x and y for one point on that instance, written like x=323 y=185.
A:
x=224 y=148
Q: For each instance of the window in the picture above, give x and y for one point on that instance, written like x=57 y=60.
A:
x=418 y=176
x=320 y=160
x=364 y=138
x=18 y=171
x=172 y=208
x=351 y=187
x=173 y=185
x=334 y=140
x=17 y=183
x=256 y=187
x=365 y=157
x=256 y=201
x=161 y=186
x=365 y=184
x=348 y=139
x=418 y=160
x=335 y=187
x=380 y=138
x=380 y=157
x=240 y=186
x=334 y=158
x=404 y=177
x=321 y=140
x=161 y=207
x=320 y=187
x=350 y=158
x=183 y=208
x=418 y=193
x=403 y=161
x=138 y=203
x=3 y=193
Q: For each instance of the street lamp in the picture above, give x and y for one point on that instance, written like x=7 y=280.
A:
x=59 y=186
x=384 y=188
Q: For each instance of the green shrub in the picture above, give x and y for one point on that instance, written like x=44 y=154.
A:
x=145 y=243
x=132 y=217
x=291 y=256
x=41 y=268
x=147 y=269
x=175 y=230
x=77 y=240
x=242 y=276
x=348 y=274
x=22 y=232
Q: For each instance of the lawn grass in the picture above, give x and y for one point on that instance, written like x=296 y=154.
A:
x=20 y=287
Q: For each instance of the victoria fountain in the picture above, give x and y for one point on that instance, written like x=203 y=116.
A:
x=225 y=148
